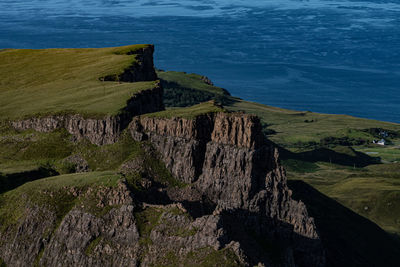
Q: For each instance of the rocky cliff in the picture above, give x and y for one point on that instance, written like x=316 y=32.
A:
x=99 y=131
x=141 y=69
x=199 y=189
x=105 y=130
x=108 y=226
x=229 y=163
x=224 y=202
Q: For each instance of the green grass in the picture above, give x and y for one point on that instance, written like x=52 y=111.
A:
x=171 y=228
x=225 y=257
x=312 y=146
x=187 y=112
x=38 y=257
x=372 y=191
x=49 y=81
x=150 y=217
x=13 y=167
x=184 y=80
x=51 y=193
x=288 y=128
x=299 y=166
x=29 y=150
x=146 y=220
x=208 y=257
x=30 y=145
x=92 y=245
x=349 y=239
x=203 y=257
x=388 y=154
x=182 y=90
x=292 y=127
x=31 y=155
x=111 y=156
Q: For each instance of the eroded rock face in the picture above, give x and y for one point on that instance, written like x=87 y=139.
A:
x=142 y=68
x=113 y=236
x=21 y=245
x=227 y=159
x=238 y=204
x=239 y=130
x=101 y=131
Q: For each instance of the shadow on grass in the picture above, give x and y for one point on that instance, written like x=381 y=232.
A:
x=348 y=157
x=11 y=181
x=176 y=95
x=349 y=239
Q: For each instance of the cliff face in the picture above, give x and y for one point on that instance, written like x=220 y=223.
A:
x=227 y=160
x=142 y=69
x=109 y=226
x=32 y=239
x=107 y=129
x=236 y=210
x=98 y=131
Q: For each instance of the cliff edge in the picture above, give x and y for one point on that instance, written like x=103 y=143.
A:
x=227 y=161
x=194 y=186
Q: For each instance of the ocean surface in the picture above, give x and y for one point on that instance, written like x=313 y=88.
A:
x=338 y=56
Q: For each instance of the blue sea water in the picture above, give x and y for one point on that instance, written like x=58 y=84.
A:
x=330 y=56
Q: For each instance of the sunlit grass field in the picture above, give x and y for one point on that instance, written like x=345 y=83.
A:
x=187 y=112
x=34 y=82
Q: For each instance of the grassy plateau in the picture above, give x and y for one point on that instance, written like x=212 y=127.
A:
x=47 y=81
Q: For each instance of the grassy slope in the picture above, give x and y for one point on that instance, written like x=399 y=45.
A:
x=30 y=155
x=372 y=191
x=13 y=203
x=191 y=80
x=187 y=112
x=292 y=127
x=65 y=80
x=179 y=92
x=372 y=194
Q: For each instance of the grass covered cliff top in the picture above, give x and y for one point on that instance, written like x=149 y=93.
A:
x=288 y=128
x=188 y=112
x=47 y=81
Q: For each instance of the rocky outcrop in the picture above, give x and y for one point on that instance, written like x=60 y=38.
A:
x=228 y=161
x=76 y=164
x=38 y=237
x=100 y=131
x=236 y=209
x=120 y=234
x=21 y=245
x=141 y=69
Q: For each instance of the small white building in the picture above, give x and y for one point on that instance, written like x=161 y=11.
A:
x=381 y=142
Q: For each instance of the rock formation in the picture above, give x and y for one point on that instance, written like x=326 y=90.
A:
x=99 y=131
x=230 y=164
x=142 y=68
x=235 y=208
